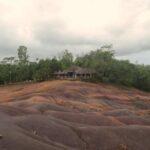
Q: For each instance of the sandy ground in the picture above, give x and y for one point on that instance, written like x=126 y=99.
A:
x=73 y=115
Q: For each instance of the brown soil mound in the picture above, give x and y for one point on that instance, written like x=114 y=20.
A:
x=73 y=115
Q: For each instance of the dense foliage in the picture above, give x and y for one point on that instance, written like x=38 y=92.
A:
x=108 y=68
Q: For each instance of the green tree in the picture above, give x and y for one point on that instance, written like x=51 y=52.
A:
x=43 y=71
x=142 y=77
x=22 y=55
x=55 y=65
x=108 y=69
x=66 y=59
x=8 y=60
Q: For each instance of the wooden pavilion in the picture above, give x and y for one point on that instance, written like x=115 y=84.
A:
x=75 y=72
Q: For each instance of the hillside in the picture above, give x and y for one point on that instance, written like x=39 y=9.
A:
x=73 y=115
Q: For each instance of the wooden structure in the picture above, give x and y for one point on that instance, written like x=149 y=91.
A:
x=75 y=72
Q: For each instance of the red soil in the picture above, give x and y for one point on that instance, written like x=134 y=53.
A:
x=73 y=115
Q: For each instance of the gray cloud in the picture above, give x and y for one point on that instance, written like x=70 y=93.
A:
x=54 y=35
x=8 y=41
x=49 y=27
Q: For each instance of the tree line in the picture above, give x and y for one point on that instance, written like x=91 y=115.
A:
x=109 y=69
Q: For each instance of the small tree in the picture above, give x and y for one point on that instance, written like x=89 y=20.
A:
x=22 y=55
x=66 y=59
x=8 y=60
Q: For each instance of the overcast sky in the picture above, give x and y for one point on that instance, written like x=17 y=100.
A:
x=47 y=27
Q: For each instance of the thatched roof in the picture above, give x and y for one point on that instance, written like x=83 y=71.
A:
x=77 y=70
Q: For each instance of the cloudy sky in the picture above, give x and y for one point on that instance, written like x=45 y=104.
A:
x=47 y=27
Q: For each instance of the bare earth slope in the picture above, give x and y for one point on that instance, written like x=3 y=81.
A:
x=73 y=115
